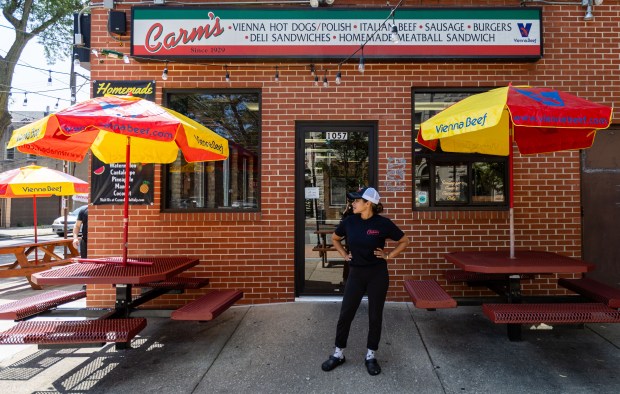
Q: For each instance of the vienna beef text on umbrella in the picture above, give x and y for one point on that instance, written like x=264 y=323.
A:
x=36 y=181
x=149 y=132
x=538 y=120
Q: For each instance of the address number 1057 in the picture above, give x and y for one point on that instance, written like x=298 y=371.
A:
x=336 y=135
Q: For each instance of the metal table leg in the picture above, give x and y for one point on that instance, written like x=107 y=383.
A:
x=514 y=297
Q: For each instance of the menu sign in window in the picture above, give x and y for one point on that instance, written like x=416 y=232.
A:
x=451 y=183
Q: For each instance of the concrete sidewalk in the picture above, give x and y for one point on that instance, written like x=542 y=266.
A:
x=279 y=349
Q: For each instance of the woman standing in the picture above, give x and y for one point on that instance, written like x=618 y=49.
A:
x=366 y=232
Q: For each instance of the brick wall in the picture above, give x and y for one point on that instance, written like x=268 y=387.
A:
x=254 y=251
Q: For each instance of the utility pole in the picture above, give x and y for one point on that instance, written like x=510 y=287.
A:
x=72 y=87
x=72 y=80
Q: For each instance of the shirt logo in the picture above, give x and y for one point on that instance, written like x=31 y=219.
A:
x=372 y=232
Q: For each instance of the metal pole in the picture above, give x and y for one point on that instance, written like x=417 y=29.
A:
x=72 y=82
x=126 y=201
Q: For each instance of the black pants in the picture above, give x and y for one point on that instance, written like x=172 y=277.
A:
x=83 y=248
x=371 y=280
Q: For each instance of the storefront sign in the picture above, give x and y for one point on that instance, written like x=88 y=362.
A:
x=143 y=89
x=107 y=184
x=465 y=33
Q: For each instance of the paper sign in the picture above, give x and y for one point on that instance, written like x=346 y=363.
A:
x=312 y=193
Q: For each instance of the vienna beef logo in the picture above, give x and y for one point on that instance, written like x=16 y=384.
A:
x=43 y=189
x=524 y=29
x=210 y=145
x=157 y=38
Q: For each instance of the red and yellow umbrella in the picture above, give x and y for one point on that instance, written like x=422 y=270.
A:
x=149 y=133
x=36 y=181
x=538 y=120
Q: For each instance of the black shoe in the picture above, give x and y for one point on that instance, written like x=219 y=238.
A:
x=373 y=367
x=331 y=363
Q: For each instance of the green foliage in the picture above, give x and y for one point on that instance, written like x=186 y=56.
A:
x=50 y=21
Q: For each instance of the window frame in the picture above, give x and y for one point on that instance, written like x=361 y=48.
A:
x=9 y=152
x=164 y=169
x=451 y=158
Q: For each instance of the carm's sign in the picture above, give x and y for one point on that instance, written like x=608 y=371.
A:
x=424 y=33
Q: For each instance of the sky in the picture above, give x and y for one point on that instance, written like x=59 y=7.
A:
x=35 y=81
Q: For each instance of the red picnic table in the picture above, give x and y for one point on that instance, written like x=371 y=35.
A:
x=526 y=263
x=158 y=274
x=111 y=271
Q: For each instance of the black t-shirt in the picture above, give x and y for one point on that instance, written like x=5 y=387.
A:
x=83 y=217
x=366 y=235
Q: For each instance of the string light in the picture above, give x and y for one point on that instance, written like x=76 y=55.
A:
x=394 y=35
x=25 y=99
x=361 y=67
x=49 y=78
x=164 y=75
x=313 y=71
x=57 y=102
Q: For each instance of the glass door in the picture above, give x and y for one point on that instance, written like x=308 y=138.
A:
x=335 y=161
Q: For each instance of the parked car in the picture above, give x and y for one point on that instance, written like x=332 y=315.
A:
x=59 y=224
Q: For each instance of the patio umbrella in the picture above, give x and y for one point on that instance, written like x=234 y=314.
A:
x=149 y=133
x=538 y=120
x=36 y=181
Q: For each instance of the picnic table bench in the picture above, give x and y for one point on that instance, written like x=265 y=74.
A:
x=34 y=257
x=428 y=294
x=115 y=326
x=30 y=306
x=62 y=332
x=562 y=313
x=593 y=289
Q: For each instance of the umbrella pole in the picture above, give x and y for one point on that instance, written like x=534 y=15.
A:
x=511 y=199
x=36 y=250
x=126 y=202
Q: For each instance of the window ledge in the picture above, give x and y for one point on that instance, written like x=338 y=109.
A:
x=435 y=215
x=200 y=217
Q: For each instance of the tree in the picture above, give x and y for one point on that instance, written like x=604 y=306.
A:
x=51 y=21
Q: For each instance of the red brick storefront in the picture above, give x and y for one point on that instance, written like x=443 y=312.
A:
x=254 y=251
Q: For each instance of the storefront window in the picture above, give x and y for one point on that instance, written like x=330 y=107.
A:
x=231 y=184
x=446 y=180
